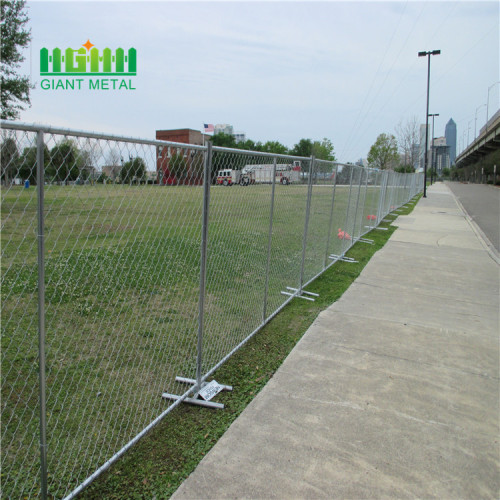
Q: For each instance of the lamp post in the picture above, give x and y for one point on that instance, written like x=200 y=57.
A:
x=475 y=121
x=428 y=54
x=432 y=145
x=488 y=102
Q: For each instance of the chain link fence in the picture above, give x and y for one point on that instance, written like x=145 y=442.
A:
x=127 y=263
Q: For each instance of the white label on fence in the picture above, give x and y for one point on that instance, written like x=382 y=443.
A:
x=210 y=390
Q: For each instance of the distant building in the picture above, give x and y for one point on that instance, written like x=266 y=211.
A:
x=187 y=166
x=439 y=141
x=415 y=149
x=441 y=158
x=239 y=137
x=450 y=133
x=440 y=154
x=223 y=128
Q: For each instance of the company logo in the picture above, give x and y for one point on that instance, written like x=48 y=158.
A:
x=88 y=61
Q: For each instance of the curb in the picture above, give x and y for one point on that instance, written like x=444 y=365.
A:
x=481 y=236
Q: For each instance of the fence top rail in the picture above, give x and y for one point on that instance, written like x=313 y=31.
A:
x=30 y=127
x=222 y=149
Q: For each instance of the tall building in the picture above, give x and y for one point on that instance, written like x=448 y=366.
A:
x=440 y=154
x=450 y=132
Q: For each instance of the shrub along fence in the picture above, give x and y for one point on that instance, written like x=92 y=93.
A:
x=127 y=263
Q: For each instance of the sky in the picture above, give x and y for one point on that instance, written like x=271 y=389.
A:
x=346 y=71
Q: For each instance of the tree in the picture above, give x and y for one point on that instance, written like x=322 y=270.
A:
x=384 y=152
x=303 y=148
x=274 y=147
x=408 y=137
x=27 y=164
x=113 y=164
x=224 y=140
x=9 y=156
x=66 y=162
x=14 y=88
x=133 y=170
x=323 y=150
x=178 y=166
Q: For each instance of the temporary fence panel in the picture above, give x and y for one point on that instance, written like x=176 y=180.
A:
x=125 y=264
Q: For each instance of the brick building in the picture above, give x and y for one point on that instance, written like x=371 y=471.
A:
x=178 y=165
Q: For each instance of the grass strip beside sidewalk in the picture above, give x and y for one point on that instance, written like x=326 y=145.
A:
x=157 y=465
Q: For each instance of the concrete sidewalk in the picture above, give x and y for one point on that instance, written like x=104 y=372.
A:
x=393 y=392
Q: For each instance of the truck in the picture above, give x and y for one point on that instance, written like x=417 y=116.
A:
x=228 y=177
x=260 y=174
x=263 y=174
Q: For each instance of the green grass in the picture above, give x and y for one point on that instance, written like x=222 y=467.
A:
x=159 y=463
x=122 y=274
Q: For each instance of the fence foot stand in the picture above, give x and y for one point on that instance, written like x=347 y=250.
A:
x=382 y=228
x=366 y=240
x=343 y=258
x=299 y=293
x=197 y=399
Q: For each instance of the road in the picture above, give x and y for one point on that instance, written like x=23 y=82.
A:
x=482 y=203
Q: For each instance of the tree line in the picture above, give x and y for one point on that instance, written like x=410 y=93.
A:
x=398 y=152
x=64 y=163
x=322 y=150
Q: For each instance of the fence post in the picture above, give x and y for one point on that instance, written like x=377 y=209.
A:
x=40 y=179
x=347 y=212
x=353 y=236
x=380 y=197
x=269 y=239
x=203 y=263
x=306 y=225
x=331 y=218
x=364 y=204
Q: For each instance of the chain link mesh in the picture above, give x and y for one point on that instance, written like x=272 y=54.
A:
x=123 y=227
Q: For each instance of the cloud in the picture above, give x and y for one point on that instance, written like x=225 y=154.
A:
x=276 y=70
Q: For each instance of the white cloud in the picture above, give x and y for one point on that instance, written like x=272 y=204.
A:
x=278 y=70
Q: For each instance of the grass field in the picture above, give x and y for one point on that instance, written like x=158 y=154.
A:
x=122 y=288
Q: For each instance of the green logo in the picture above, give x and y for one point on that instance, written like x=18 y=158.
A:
x=88 y=61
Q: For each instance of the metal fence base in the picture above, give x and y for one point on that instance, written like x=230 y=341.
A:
x=299 y=293
x=366 y=240
x=196 y=400
x=343 y=258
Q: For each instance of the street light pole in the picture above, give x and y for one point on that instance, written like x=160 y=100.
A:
x=475 y=121
x=428 y=54
x=488 y=102
x=432 y=145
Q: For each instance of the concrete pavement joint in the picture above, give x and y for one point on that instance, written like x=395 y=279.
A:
x=369 y=406
x=425 y=293
x=399 y=322
x=418 y=362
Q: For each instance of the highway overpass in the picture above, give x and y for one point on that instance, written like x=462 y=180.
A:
x=487 y=142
